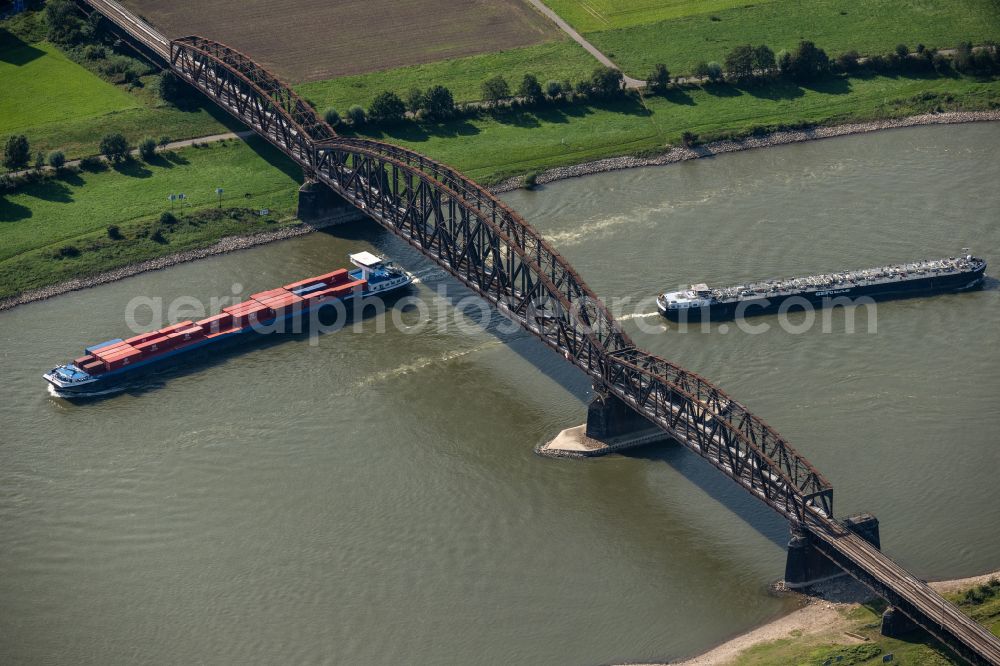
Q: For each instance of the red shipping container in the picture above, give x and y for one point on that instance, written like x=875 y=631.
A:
x=214 y=324
x=223 y=332
x=142 y=337
x=239 y=307
x=267 y=294
x=93 y=368
x=175 y=327
x=345 y=289
x=155 y=345
x=105 y=352
x=83 y=360
x=187 y=335
x=122 y=360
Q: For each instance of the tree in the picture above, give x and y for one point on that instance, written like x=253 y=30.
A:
x=848 y=62
x=582 y=88
x=39 y=160
x=495 y=89
x=607 y=81
x=764 y=62
x=356 y=115
x=387 y=108
x=332 y=117
x=530 y=88
x=808 y=62
x=170 y=88
x=57 y=160
x=659 y=78
x=17 y=152
x=739 y=64
x=784 y=59
x=114 y=146
x=415 y=100
x=963 y=57
x=714 y=71
x=439 y=104
x=147 y=148
x=902 y=50
x=65 y=24
x=701 y=69
x=553 y=89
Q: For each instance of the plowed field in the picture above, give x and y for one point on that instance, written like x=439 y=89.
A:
x=309 y=40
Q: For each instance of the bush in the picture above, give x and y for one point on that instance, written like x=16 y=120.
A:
x=848 y=62
x=659 y=78
x=57 y=160
x=582 y=88
x=700 y=69
x=114 y=233
x=530 y=88
x=739 y=64
x=530 y=180
x=495 y=89
x=439 y=103
x=114 y=146
x=902 y=50
x=387 y=108
x=356 y=116
x=415 y=100
x=689 y=139
x=67 y=251
x=553 y=89
x=17 y=152
x=163 y=141
x=332 y=117
x=714 y=71
x=39 y=160
x=158 y=236
x=166 y=217
x=92 y=163
x=147 y=148
x=94 y=52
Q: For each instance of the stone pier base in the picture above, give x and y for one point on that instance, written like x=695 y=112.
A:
x=806 y=566
x=611 y=426
x=895 y=624
x=319 y=204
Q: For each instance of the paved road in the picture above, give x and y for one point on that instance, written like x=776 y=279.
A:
x=630 y=83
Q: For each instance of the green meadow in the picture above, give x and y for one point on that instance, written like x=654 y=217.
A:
x=463 y=76
x=75 y=210
x=868 y=26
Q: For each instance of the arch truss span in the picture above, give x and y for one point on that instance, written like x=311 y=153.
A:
x=477 y=238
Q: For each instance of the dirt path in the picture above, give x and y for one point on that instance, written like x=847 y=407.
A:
x=632 y=84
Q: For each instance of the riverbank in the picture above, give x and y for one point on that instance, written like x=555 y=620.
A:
x=784 y=137
x=671 y=156
x=825 y=623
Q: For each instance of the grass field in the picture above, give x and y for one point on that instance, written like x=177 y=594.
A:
x=463 y=76
x=915 y=649
x=60 y=105
x=493 y=148
x=869 y=26
x=76 y=210
x=48 y=85
x=592 y=15
x=309 y=40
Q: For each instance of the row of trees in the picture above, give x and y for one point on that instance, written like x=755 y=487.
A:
x=438 y=104
x=114 y=147
x=807 y=62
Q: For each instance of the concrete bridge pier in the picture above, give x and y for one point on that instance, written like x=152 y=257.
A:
x=321 y=206
x=611 y=426
x=806 y=566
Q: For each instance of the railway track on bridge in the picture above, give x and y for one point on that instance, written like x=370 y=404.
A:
x=491 y=250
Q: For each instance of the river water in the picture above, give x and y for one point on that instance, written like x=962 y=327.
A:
x=373 y=498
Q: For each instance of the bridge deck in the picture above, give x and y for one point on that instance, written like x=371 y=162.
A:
x=489 y=248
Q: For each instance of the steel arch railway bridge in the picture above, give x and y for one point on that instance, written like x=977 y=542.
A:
x=493 y=251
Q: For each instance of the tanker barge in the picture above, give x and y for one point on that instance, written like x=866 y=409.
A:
x=107 y=363
x=755 y=298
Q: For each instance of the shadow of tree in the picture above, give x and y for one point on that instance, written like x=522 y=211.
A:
x=15 y=51
x=11 y=211
x=133 y=169
x=50 y=190
x=774 y=90
x=830 y=85
x=721 y=89
x=678 y=96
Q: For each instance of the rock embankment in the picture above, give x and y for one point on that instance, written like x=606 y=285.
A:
x=681 y=154
x=227 y=244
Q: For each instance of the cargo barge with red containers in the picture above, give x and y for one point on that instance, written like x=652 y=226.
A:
x=104 y=364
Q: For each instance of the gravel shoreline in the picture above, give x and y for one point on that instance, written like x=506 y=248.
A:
x=232 y=243
x=780 y=138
